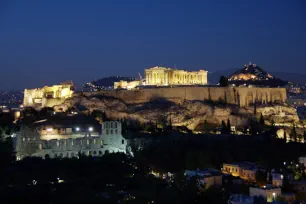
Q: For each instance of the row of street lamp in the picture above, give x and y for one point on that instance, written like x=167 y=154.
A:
x=90 y=129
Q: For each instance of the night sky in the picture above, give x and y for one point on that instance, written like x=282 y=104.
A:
x=46 y=42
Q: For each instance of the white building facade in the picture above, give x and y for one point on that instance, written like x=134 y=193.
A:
x=30 y=143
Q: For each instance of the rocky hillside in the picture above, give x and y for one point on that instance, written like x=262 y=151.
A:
x=189 y=114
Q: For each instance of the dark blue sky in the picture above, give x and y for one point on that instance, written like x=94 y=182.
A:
x=46 y=42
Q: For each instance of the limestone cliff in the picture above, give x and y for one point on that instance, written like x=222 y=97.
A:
x=188 y=113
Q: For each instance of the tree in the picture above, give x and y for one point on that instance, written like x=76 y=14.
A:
x=304 y=136
x=293 y=133
x=224 y=128
x=261 y=119
x=223 y=81
x=255 y=109
x=269 y=178
x=285 y=136
x=228 y=125
x=261 y=178
x=272 y=122
x=170 y=124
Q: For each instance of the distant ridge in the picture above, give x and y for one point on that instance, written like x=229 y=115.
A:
x=213 y=77
x=105 y=83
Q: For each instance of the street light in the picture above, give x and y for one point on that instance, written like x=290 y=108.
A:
x=77 y=129
x=90 y=129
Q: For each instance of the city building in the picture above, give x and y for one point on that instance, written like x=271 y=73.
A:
x=269 y=193
x=66 y=138
x=207 y=177
x=48 y=96
x=277 y=179
x=245 y=170
x=162 y=76
x=302 y=160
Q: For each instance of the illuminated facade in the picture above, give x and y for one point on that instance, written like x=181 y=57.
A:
x=245 y=170
x=126 y=84
x=49 y=141
x=162 y=76
x=269 y=193
x=48 y=96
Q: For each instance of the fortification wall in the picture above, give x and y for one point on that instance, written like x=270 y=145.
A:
x=242 y=96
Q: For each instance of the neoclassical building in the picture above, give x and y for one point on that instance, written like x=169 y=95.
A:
x=163 y=76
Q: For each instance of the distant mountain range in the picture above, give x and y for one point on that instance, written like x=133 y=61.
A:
x=105 y=83
x=213 y=77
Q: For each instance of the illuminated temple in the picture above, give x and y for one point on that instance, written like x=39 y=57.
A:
x=166 y=76
x=163 y=76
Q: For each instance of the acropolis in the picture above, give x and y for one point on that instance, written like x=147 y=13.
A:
x=163 y=76
x=166 y=76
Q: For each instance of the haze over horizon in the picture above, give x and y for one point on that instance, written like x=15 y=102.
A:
x=45 y=43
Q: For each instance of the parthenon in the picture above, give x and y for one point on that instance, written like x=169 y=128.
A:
x=166 y=76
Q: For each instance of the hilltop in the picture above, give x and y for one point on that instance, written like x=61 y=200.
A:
x=105 y=83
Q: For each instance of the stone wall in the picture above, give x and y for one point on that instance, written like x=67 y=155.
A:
x=30 y=142
x=242 y=96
